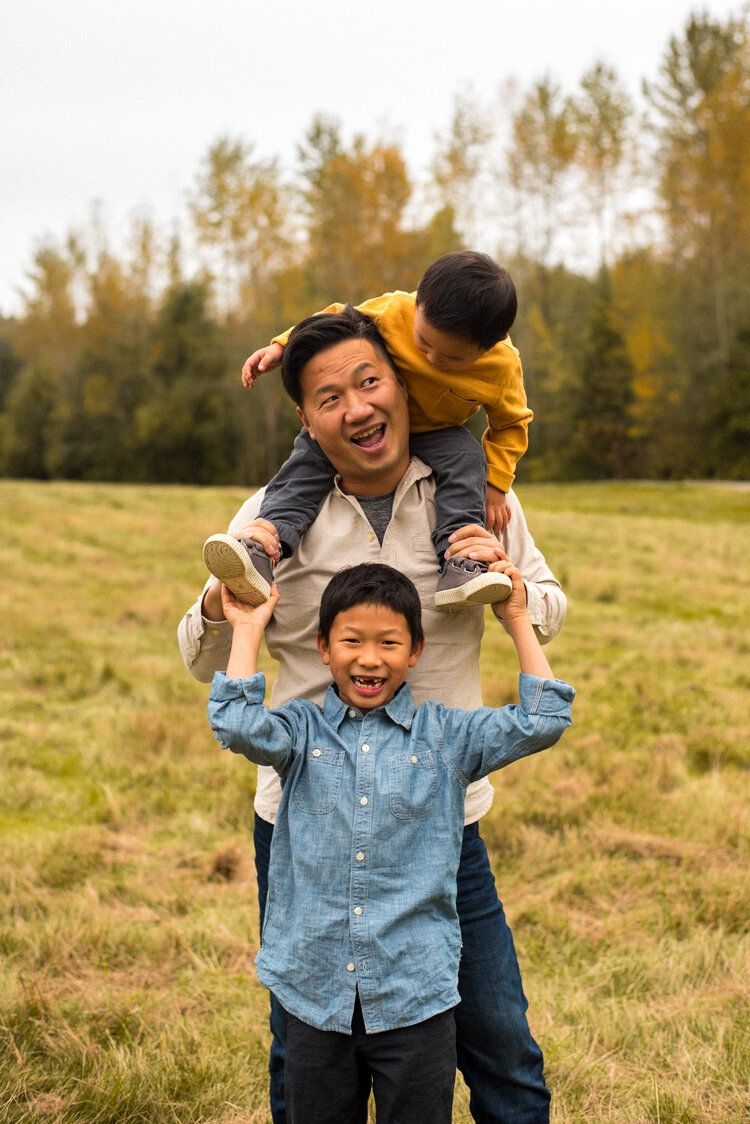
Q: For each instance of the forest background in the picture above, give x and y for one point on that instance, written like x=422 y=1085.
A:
x=123 y=363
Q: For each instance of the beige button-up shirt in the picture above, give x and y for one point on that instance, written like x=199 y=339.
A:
x=342 y=536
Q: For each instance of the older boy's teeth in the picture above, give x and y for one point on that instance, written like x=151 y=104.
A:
x=362 y=682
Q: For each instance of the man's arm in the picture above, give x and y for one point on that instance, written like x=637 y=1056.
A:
x=545 y=600
x=204 y=635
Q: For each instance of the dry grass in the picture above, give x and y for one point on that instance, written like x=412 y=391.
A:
x=129 y=916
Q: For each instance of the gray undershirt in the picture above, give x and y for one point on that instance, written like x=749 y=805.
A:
x=378 y=510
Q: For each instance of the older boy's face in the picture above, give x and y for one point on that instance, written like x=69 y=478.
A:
x=442 y=349
x=355 y=407
x=369 y=652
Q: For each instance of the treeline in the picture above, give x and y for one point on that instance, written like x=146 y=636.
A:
x=124 y=364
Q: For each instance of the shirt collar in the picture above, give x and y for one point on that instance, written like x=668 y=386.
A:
x=400 y=709
x=417 y=470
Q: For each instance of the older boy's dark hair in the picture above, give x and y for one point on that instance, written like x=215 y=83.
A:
x=371 y=583
x=469 y=295
x=316 y=333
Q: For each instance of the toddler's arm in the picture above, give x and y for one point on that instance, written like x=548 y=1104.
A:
x=262 y=360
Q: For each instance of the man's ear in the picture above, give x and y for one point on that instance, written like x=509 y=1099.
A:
x=416 y=652
x=323 y=649
x=305 y=422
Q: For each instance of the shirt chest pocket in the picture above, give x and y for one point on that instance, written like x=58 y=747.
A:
x=412 y=784
x=317 y=787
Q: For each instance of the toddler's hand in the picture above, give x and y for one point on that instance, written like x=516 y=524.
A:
x=497 y=510
x=264 y=359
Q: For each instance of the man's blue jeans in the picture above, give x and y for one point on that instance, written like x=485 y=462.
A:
x=500 y=1061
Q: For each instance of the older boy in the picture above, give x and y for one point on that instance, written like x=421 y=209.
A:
x=367 y=842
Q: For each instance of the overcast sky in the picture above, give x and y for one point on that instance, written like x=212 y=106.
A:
x=117 y=101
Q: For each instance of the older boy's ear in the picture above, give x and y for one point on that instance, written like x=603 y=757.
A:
x=416 y=652
x=323 y=649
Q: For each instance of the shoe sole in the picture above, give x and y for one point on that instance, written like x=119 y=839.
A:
x=485 y=589
x=227 y=559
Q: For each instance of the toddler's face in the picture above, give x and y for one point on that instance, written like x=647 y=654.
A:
x=444 y=350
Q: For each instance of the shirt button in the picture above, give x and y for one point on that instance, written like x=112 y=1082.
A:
x=350 y=967
x=359 y=856
x=363 y=800
x=365 y=748
x=358 y=910
x=371 y=537
x=316 y=753
x=414 y=760
x=352 y=713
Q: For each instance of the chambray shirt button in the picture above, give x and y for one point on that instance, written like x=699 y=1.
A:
x=363 y=800
x=414 y=760
x=352 y=713
x=316 y=753
x=350 y=967
x=365 y=748
x=359 y=856
x=357 y=910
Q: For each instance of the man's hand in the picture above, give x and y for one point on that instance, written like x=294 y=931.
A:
x=497 y=510
x=265 y=533
x=265 y=359
x=473 y=541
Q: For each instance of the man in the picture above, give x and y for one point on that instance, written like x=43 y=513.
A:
x=381 y=509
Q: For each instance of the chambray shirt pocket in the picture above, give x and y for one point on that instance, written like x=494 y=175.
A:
x=317 y=786
x=412 y=784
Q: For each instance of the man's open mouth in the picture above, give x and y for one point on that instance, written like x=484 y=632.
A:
x=368 y=438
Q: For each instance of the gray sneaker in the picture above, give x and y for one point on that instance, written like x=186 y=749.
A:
x=466 y=581
x=242 y=565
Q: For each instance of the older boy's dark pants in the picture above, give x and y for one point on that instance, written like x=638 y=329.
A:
x=292 y=498
x=411 y=1072
x=497 y=1055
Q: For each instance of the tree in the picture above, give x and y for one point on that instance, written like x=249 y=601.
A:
x=600 y=118
x=701 y=108
x=240 y=216
x=461 y=155
x=542 y=149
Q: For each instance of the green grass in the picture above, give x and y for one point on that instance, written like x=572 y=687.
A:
x=128 y=923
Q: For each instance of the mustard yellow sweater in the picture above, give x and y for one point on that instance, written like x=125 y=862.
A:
x=439 y=399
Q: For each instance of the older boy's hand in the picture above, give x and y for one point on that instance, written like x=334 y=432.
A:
x=497 y=510
x=251 y=617
x=515 y=605
x=264 y=359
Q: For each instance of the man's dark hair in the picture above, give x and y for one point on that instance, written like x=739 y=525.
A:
x=469 y=295
x=371 y=583
x=316 y=333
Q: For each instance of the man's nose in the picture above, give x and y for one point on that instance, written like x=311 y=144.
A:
x=357 y=406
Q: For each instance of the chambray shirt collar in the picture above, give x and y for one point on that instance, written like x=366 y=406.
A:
x=400 y=709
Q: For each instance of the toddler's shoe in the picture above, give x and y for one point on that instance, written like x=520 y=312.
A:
x=465 y=581
x=242 y=565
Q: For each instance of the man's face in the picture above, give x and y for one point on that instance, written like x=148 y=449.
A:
x=355 y=407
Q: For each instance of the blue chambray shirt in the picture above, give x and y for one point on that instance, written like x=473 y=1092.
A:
x=366 y=847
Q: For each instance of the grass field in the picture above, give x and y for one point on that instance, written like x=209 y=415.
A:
x=129 y=918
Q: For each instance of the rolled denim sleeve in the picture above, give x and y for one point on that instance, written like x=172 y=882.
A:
x=241 y=722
